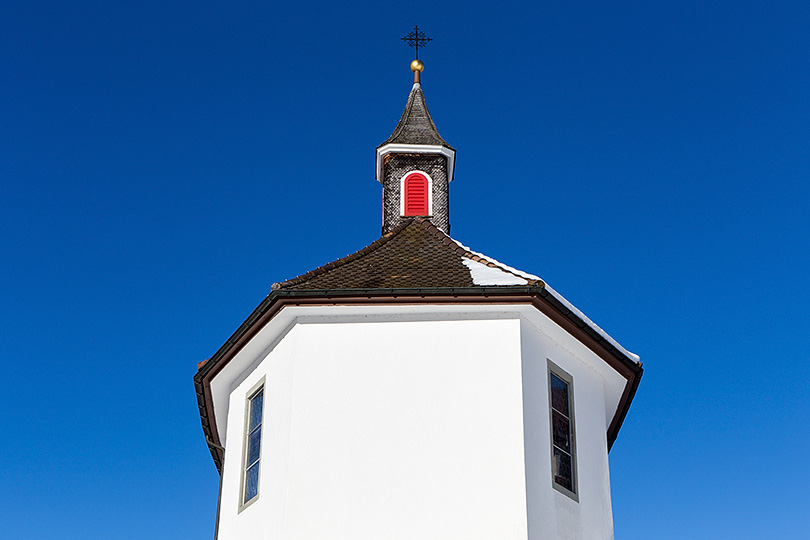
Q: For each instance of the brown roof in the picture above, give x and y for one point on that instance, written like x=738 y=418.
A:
x=414 y=255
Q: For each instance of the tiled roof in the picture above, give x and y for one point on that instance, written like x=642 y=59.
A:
x=415 y=254
x=416 y=126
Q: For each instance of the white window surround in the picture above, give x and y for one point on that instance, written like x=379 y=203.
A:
x=416 y=149
x=402 y=191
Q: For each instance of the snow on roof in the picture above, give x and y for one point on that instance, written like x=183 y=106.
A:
x=489 y=275
x=502 y=274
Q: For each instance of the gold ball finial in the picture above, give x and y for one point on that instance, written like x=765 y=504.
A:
x=417 y=65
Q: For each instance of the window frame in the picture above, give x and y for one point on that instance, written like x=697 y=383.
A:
x=402 y=192
x=569 y=381
x=254 y=391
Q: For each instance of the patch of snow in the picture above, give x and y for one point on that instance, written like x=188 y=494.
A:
x=486 y=275
x=506 y=267
x=494 y=276
x=594 y=326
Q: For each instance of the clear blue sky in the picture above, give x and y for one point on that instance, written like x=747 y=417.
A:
x=163 y=163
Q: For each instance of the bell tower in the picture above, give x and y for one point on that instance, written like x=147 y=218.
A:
x=415 y=165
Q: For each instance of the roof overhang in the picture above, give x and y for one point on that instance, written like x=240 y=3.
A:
x=394 y=148
x=537 y=296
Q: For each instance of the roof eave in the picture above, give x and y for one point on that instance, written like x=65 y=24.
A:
x=534 y=294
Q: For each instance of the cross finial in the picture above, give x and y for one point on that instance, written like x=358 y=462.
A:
x=416 y=38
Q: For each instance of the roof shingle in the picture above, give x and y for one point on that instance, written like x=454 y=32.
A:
x=414 y=255
x=416 y=126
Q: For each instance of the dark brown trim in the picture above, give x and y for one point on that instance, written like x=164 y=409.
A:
x=628 y=368
x=536 y=296
x=219 y=507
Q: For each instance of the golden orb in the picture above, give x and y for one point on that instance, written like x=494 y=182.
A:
x=417 y=65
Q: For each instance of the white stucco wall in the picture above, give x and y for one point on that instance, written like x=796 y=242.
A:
x=553 y=515
x=409 y=429
x=395 y=422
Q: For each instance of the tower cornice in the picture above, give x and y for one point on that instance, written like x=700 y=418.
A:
x=401 y=148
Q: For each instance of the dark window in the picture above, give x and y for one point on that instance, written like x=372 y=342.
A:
x=562 y=466
x=416 y=195
x=254 y=445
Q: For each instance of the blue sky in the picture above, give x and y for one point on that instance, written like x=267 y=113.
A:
x=162 y=164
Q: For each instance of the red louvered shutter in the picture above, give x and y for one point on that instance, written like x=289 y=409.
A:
x=416 y=195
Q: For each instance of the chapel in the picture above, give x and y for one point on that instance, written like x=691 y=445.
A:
x=415 y=389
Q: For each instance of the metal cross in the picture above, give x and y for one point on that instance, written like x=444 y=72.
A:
x=417 y=39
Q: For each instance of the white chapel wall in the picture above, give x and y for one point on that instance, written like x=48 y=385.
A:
x=409 y=429
x=553 y=515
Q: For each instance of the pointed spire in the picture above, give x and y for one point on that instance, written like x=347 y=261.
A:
x=415 y=165
x=416 y=126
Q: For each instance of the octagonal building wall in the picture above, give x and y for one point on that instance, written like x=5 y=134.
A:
x=555 y=514
x=423 y=426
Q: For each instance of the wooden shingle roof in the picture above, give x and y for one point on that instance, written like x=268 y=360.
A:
x=416 y=126
x=415 y=254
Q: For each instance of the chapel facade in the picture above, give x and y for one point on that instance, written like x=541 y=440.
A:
x=415 y=388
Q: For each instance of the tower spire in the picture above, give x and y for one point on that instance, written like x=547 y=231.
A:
x=415 y=164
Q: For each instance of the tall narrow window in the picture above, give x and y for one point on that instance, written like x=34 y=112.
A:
x=563 y=462
x=253 y=445
x=416 y=193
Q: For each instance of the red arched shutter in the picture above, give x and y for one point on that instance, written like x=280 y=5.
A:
x=416 y=195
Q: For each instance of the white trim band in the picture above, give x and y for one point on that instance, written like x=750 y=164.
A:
x=416 y=149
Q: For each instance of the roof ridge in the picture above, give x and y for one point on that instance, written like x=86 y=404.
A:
x=384 y=239
x=493 y=263
x=458 y=247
